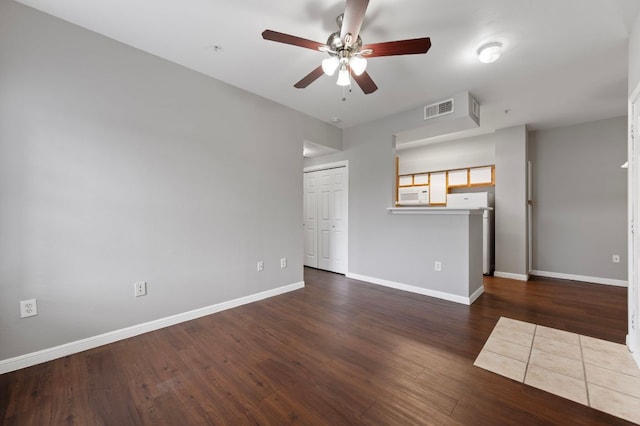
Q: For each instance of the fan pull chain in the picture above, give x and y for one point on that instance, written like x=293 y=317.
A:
x=344 y=90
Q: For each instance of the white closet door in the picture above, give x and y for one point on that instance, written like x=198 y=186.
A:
x=329 y=231
x=310 y=223
x=339 y=226
x=325 y=221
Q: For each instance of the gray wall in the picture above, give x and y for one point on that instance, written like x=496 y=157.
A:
x=634 y=56
x=580 y=199
x=468 y=152
x=567 y=218
x=511 y=241
x=116 y=167
x=378 y=241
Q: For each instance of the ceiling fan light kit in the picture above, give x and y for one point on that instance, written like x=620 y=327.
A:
x=343 y=77
x=358 y=64
x=346 y=51
x=330 y=65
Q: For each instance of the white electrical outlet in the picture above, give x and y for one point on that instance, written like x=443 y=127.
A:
x=283 y=262
x=260 y=266
x=615 y=258
x=437 y=266
x=28 y=308
x=140 y=288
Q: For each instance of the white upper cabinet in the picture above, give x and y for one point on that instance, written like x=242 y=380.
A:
x=481 y=175
x=458 y=177
x=438 y=188
x=421 y=179
x=405 y=180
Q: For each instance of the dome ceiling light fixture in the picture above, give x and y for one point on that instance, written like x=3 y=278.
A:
x=490 y=52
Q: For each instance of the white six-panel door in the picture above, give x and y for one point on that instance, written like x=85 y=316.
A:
x=311 y=219
x=326 y=219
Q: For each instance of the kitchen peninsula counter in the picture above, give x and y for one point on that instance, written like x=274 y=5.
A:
x=434 y=251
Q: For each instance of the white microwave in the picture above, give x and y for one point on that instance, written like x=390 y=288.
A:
x=414 y=195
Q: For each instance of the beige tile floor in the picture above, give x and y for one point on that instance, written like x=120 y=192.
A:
x=593 y=372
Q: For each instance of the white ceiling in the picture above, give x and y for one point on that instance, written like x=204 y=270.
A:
x=564 y=61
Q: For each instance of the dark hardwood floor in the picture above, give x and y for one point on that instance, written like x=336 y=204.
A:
x=338 y=352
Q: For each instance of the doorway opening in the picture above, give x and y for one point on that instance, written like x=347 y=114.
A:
x=633 y=338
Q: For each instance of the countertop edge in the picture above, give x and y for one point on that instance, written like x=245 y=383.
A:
x=435 y=210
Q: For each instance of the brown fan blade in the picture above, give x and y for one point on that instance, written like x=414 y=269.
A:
x=309 y=78
x=289 y=39
x=365 y=82
x=352 y=19
x=399 y=47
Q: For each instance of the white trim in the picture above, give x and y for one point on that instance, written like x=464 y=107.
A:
x=336 y=165
x=476 y=294
x=33 y=358
x=634 y=354
x=583 y=278
x=635 y=95
x=633 y=206
x=511 y=276
x=636 y=357
x=419 y=290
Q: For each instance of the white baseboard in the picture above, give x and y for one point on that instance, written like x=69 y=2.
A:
x=583 y=278
x=635 y=354
x=476 y=294
x=511 y=276
x=419 y=290
x=27 y=360
x=636 y=357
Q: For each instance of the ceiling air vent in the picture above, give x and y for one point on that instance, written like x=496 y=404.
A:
x=475 y=108
x=436 y=110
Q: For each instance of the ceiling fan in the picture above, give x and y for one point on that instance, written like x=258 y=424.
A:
x=346 y=51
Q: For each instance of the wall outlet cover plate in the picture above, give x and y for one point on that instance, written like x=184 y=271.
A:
x=28 y=308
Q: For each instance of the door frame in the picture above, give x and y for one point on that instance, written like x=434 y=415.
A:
x=329 y=166
x=529 y=216
x=633 y=188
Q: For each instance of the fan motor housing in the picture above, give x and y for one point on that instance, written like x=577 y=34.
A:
x=336 y=44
